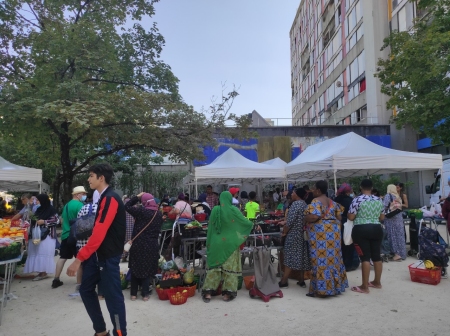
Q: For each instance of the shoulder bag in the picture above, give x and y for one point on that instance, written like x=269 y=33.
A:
x=127 y=246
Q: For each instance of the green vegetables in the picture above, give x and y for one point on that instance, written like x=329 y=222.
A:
x=10 y=252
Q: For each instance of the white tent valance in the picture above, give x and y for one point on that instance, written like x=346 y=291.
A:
x=352 y=155
x=17 y=178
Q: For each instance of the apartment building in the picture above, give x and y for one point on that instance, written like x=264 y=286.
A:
x=335 y=47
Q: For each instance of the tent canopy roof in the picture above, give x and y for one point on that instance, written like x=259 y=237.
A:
x=233 y=166
x=277 y=162
x=352 y=155
x=17 y=178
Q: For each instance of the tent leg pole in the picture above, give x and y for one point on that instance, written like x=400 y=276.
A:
x=335 y=183
x=196 y=189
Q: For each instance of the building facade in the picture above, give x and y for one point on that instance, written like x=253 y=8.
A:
x=335 y=47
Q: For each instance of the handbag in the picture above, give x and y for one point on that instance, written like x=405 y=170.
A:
x=128 y=244
x=390 y=214
x=348 y=227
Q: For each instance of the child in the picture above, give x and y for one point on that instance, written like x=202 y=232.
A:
x=251 y=208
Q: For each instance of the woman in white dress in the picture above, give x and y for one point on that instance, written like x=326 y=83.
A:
x=41 y=257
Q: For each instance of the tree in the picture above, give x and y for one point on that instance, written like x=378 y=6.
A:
x=78 y=86
x=416 y=75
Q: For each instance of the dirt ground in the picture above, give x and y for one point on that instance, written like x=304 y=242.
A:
x=402 y=307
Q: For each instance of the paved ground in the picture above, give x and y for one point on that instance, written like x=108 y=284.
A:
x=400 y=308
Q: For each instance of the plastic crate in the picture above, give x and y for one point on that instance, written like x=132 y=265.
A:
x=426 y=276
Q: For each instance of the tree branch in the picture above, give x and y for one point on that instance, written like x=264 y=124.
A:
x=74 y=142
x=53 y=127
x=113 y=82
x=37 y=17
x=78 y=17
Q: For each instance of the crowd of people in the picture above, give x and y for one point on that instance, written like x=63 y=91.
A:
x=311 y=231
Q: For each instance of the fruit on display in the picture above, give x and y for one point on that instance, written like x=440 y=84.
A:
x=188 y=277
x=428 y=264
x=6 y=231
x=193 y=225
x=171 y=275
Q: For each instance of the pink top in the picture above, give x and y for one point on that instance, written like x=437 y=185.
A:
x=187 y=212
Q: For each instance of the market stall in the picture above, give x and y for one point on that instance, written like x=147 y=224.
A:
x=351 y=155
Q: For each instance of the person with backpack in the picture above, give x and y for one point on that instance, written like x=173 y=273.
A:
x=394 y=224
x=68 y=249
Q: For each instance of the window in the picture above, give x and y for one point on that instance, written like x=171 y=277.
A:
x=358 y=11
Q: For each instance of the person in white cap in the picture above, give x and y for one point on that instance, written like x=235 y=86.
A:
x=69 y=214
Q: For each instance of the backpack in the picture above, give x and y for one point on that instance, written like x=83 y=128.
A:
x=82 y=228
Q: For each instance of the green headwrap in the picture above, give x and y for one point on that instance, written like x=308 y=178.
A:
x=227 y=230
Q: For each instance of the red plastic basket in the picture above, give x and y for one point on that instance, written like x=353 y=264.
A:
x=426 y=276
x=162 y=294
x=249 y=281
x=200 y=217
x=172 y=215
x=190 y=289
x=180 y=299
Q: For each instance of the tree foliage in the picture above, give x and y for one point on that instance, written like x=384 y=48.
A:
x=82 y=80
x=416 y=75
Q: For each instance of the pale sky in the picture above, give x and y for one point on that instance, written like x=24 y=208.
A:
x=241 y=42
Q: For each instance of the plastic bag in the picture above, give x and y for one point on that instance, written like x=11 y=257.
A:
x=179 y=262
x=36 y=235
x=432 y=209
x=437 y=209
x=348 y=227
x=169 y=265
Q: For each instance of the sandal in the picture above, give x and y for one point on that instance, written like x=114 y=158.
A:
x=205 y=299
x=133 y=298
x=146 y=298
x=359 y=290
x=39 y=278
x=373 y=286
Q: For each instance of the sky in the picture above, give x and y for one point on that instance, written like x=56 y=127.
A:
x=242 y=43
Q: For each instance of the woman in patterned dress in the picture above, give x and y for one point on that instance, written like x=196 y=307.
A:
x=328 y=275
x=296 y=250
x=394 y=225
x=227 y=230
x=144 y=252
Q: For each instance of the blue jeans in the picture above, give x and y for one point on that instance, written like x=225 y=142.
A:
x=107 y=274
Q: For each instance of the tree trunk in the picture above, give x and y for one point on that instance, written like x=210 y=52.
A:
x=66 y=164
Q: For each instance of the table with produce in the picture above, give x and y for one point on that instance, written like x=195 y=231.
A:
x=12 y=240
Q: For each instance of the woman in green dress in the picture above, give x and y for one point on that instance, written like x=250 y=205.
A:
x=227 y=230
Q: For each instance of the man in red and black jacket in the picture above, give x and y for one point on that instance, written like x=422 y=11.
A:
x=101 y=255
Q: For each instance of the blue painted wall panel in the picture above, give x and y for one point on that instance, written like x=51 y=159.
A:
x=424 y=143
x=382 y=140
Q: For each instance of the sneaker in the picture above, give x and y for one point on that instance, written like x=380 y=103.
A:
x=57 y=283
x=77 y=291
x=283 y=285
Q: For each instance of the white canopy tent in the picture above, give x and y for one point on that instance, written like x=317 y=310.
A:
x=352 y=155
x=277 y=162
x=17 y=178
x=232 y=167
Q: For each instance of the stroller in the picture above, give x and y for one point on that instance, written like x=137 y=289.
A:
x=432 y=247
x=266 y=284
